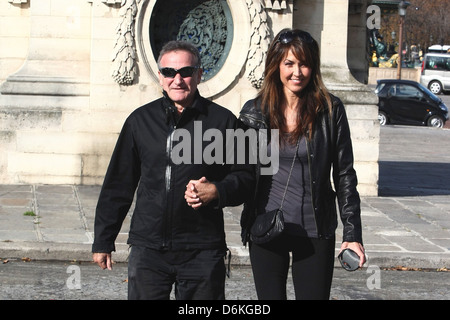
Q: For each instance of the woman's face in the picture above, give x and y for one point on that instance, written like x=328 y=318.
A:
x=294 y=75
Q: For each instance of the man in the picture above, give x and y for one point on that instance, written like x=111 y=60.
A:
x=171 y=242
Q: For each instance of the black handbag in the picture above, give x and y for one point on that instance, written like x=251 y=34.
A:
x=270 y=225
x=267 y=226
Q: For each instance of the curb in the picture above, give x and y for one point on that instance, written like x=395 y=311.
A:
x=239 y=255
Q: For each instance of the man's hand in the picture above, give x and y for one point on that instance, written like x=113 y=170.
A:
x=200 y=192
x=103 y=260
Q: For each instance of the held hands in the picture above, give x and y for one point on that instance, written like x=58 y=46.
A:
x=358 y=248
x=200 y=192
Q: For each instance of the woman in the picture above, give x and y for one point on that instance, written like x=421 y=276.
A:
x=312 y=123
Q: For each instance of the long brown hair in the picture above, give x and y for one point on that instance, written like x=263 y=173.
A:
x=315 y=96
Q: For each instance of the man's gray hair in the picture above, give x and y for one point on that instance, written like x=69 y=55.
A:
x=176 y=45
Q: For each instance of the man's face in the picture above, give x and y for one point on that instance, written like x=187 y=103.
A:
x=180 y=90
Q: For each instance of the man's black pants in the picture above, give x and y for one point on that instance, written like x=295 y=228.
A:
x=197 y=275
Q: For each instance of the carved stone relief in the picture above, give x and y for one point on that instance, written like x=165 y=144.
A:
x=276 y=5
x=259 y=44
x=124 y=56
x=205 y=23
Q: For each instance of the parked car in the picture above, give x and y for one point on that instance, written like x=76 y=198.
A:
x=436 y=72
x=437 y=48
x=409 y=102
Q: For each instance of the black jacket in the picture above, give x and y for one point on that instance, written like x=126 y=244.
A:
x=141 y=159
x=329 y=148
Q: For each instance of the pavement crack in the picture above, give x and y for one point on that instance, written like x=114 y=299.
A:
x=36 y=224
x=82 y=214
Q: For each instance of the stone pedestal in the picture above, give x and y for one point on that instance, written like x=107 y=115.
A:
x=327 y=21
x=53 y=81
x=61 y=109
x=58 y=55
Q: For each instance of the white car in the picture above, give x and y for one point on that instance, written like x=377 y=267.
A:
x=436 y=72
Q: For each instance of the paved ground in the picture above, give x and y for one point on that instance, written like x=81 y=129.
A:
x=406 y=226
x=57 y=280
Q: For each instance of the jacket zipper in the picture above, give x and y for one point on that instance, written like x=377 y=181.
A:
x=311 y=185
x=167 y=178
x=263 y=125
x=168 y=154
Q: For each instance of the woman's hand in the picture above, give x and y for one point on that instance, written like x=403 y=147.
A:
x=358 y=248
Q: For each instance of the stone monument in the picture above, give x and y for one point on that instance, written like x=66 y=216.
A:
x=71 y=72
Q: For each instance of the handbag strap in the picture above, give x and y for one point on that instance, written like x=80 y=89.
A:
x=290 y=172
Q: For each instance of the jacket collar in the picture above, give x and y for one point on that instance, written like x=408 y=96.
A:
x=252 y=115
x=198 y=106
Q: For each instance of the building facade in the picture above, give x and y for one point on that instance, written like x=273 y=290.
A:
x=70 y=73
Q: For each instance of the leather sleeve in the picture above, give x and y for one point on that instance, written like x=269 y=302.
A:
x=344 y=175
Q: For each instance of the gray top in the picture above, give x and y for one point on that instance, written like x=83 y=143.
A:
x=298 y=213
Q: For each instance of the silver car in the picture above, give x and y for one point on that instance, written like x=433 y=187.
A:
x=436 y=72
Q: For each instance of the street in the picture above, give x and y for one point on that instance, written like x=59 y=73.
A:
x=45 y=280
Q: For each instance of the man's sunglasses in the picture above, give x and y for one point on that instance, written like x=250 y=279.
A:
x=289 y=36
x=184 y=72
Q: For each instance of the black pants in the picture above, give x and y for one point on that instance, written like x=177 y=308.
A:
x=197 y=275
x=312 y=267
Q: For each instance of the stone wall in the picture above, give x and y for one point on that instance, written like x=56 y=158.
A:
x=328 y=21
x=61 y=110
x=391 y=73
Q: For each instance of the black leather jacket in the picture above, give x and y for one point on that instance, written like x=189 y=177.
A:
x=330 y=148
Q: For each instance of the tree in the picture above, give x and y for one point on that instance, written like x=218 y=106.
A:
x=426 y=23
